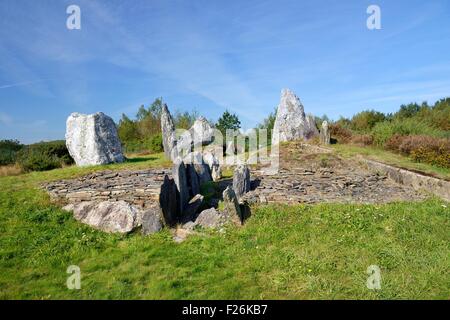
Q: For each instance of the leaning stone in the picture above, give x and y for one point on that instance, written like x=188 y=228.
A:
x=191 y=209
x=291 y=122
x=232 y=208
x=168 y=201
x=92 y=139
x=151 y=221
x=241 y=180
x=108 y=216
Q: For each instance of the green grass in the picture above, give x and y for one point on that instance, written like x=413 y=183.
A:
x=350 y=151
x=298 y=252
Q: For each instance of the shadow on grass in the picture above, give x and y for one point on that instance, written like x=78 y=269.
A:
x=140 y=159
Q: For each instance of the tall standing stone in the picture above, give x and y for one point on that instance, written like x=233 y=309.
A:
x=92 y=139
x=168 y=134
x=325 y=135
x=168 y=201
x=180 y=178
x=291 y=121
x=241 y=180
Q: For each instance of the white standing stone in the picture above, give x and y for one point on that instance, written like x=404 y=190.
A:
x=291 y=122
x=92 y=139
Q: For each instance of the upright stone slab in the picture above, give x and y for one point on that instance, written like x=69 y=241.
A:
x=169 y=201
x=231 y=204
x=325 y=135
x=241 y=180
x=180 y=178
x=92 y=139
x=291 y=121
x=168 y=134
x=213 y=164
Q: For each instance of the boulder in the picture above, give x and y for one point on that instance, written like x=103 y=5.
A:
x=108 y=216
x=180 y=177
x=92 y=139
x=231 y=204
x=168 y=134
x=168 y=201
x=241 y=180
x=151 y=221
x=325 y=135
x=291 y=121
x=202 y=132
x=209 y=218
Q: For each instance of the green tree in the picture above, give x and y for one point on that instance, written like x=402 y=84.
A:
x=228 y=121
x=364 y=121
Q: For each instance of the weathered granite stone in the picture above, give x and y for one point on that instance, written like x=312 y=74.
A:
x=191 y=209
x=241 y=180
x=291 y=121
x=213 y=164
x=202 y=131
x=325 y=135
x=151 y=221
x=232 y=208
x=168 y=134
x=209 y=218
x=169 y=201
x=180 y=177
x=108 y=216
x=203 y=172
x=92 y=139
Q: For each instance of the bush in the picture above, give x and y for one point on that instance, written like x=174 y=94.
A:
x=341 y=134
x=44 y=156
x=366 y=120
x=362 y=140
x=426 y=149
x=8 y=151
x=156 y=143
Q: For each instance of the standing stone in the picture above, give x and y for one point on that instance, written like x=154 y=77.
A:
x=168 y=134
x=151 y=221
x=325 y=135
x=291 y=121
x=168 y=201
x=180 y=177
x=214 y=165
x=232 y=208
x=241 y=180
x=193 y=182
x=202 y=132
x=92 y=139
x=203 y=172
x=108 y=216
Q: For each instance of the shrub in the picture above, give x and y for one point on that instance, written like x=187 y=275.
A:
x=362 y=140
x=8 y=151
x=421 y=148
x=44 y=156
x=156 y=143
x=341 y=134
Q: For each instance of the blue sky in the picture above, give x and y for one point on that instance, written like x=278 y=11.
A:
x=212 y=55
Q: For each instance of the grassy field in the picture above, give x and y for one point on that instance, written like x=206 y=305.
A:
x=282 y=252
x=350 y=151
